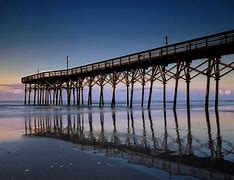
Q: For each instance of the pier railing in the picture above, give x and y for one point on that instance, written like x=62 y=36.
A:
x=140 y=57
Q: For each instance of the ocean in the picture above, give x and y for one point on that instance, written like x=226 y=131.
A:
x=162 y=144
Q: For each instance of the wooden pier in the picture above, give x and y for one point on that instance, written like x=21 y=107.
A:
x=145 y=67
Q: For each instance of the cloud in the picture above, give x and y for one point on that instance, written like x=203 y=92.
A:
x=18 y=91
x=11 y=91
x=225 y=92
x=11 y=88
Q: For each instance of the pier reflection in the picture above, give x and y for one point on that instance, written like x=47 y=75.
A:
x=164 y=142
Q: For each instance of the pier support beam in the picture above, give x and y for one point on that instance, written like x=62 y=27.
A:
x=50 y=95
x=101 y=83
x=25 y=94
x=132 y=87
x=46 y=96
x=187 y=75
x=77 y=94
x=34 y=95
x=29 y=94
x=43 y=96
x=143 y=87
x=74 y=96
x=53 y=100
x=82 y=95
x=151 y=86
x=177 y=75
x=56 y=95
x=90 y=81
x=217 y=78
x=163 y=74
x=114 y=82
x=101 y=99
x=38 y=94
x=60 y=96
x=126 y=78
x=208 y=72
x=68 y=94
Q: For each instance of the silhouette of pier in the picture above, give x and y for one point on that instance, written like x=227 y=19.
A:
x=170 y=62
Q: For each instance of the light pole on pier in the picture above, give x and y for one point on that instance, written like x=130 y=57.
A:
x=67 y=64
x=166 y=40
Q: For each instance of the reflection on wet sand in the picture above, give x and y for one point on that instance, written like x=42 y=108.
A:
x=175 y=154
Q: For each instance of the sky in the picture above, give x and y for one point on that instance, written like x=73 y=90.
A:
x=39 y=34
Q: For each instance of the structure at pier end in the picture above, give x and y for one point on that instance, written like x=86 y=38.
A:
x=170 y=62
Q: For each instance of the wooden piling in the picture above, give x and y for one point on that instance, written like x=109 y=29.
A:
x=34 y=95
x=74 y=97
x=90 y=91
x=56 y=96
x=50 y=91
x=127 y=86
x=43 y=95
x=29 y=94
x=132 y=87
x=176 y=84
x=68 y=94
x=113 y=96
x=217 y=78
x=187 y=75
x=25 y=94
x=38 y=95
x=77 y=94
x=101 y=84
x=164 y=86
x=143 y=87
x=151 y=86
x=60 y=96
x=208 y=72
x=101 y=96
x=46 y=96
x=113 y=81
x=40 y=98
x=82 y=95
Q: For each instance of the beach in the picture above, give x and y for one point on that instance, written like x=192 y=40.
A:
x=63 y=142
x=42 y=158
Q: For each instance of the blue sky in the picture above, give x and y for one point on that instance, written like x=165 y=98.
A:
x=39 y=34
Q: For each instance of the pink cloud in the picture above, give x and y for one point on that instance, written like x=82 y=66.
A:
x=11 y=91
x=225 y=92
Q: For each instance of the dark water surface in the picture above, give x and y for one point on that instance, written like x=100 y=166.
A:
x=105 y=143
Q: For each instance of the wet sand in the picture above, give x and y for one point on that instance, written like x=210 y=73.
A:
x=43 y=158
x=94 y=143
